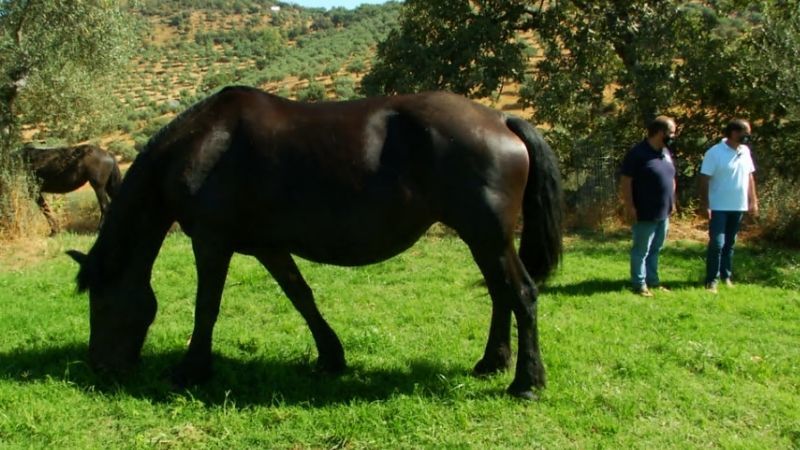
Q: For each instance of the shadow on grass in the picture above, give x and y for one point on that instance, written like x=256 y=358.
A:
x=599 y=286
x=235 y=381
x=767 y=266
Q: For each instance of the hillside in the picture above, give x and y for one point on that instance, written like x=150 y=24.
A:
x=191 y=48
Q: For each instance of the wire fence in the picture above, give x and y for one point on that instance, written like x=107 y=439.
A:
x=591 y=178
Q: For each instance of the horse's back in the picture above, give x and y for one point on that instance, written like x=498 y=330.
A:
x=339 y=182
x=65 y=169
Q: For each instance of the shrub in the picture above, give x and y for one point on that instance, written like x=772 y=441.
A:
x=357 y=67
x=344 y=88
x=781 y=212
x=124 y=151
x=139 y=142
x=313 y=92
x=283 y=91
x=19 y=215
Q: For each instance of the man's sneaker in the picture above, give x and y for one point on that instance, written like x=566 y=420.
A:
x=643 y=291
x=728 y=282
x=712 y=287
x=660 y=288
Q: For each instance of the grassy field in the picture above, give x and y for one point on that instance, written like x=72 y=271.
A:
x=684 y=369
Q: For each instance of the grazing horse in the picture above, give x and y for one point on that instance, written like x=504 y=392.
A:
x=345 y=183
x=64 y=169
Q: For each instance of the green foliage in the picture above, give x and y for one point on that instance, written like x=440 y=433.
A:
x=264 y=43
x=683 y=370
x=215 y=80
x=314 y=92
x=60 y=57
x=460 y=45
x=283 y=91
x=57 y=61
x=344 y=88
x=357 y=67
x=124 y=151
x=140 y=141
x=609 y=67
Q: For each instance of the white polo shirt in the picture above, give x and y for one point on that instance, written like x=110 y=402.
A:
x=730 y=171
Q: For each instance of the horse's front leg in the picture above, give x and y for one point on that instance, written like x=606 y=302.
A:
x=48 y=214
x=497 y=355
x=285 y=271
x=212 y=263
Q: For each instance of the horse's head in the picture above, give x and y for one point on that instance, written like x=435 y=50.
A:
x=121 y=310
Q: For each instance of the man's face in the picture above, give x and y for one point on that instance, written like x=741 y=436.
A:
x=743 y=136
x=669 y=135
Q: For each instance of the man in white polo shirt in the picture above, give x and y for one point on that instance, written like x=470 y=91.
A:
x=727 y=191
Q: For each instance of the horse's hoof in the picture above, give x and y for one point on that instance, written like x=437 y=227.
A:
x=486 y=368
x=525 y=394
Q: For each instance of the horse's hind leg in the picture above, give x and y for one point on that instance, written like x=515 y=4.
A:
x=511 y=289
x=48 y=214
x=212 y=268
x=285 y=271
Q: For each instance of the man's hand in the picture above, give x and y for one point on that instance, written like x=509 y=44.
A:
x=754 y=210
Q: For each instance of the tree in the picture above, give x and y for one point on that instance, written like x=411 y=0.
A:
x=56 y=58
x=769 y=86
x=608 y=67
x=464 y=46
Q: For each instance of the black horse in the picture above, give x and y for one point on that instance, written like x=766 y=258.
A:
x=348 y=183
x=64 y=169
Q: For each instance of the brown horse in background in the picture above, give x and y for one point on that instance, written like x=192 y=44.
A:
x=65 y=169
x=344 y=183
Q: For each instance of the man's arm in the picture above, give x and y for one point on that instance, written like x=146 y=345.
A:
x=704 y=195
x=626 y=188
x=752 y=197
x=674 y=195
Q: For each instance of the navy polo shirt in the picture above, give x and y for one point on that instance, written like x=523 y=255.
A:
x=653 y=175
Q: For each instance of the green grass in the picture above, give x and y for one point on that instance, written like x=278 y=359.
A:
x=685 y=369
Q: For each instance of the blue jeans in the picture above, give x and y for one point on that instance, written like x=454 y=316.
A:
x=722 y=231
x=648 y=239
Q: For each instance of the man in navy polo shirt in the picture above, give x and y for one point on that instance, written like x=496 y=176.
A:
x=727 y=191
x=648 y=192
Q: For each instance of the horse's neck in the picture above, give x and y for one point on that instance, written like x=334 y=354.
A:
x=136 y=225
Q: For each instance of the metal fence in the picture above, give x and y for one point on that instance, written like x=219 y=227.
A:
x=591 y=176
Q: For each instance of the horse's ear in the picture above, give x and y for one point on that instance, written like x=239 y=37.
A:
x=79 y=257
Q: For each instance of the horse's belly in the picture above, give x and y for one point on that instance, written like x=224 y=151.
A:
x=61 y=182
x=358 y=246
x=354 y=234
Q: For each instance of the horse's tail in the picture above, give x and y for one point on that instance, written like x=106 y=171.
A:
x=542 y=209
x=114 y=180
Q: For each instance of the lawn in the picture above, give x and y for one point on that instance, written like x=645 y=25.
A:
x=683 y=369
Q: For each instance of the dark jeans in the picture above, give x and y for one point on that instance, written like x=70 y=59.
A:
x=722 y=231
